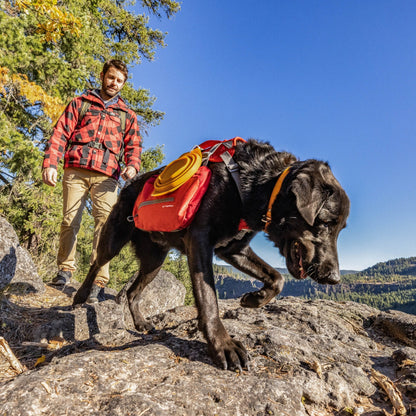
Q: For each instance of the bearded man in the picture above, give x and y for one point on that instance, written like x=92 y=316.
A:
x=96 y=132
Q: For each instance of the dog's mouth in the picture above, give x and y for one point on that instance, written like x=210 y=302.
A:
x=298 y=268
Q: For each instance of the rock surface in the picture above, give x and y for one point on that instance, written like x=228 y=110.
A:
x=21 y=322
x=307 y=358
x=16 y=265
x=163 y=293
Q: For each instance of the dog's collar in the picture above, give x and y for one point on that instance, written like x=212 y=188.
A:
x=267 y=219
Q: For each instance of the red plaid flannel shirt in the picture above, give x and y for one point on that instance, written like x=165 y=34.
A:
x=101 y=125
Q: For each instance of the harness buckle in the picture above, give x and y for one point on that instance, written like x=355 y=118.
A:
x=233 y=166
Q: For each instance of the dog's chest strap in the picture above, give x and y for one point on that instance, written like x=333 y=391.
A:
x=223 y=151
x=267 y=219
x=234 y=169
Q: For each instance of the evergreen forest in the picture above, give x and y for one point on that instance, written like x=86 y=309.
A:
x=386 y=285
x=47 y=58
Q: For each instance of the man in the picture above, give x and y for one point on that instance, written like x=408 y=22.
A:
x=92 y=134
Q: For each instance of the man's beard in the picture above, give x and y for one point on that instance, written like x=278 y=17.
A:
x=111 y=93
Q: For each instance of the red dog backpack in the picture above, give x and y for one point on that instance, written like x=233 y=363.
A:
x=172 y=211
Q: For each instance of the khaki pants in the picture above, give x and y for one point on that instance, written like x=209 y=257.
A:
x=77 y=184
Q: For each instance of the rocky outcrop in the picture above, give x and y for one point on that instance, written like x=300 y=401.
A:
x=307 y=358
x=163 y=293
x=16 y=265
x=62 y=321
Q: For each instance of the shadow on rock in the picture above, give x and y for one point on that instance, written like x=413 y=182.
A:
x=57 y=331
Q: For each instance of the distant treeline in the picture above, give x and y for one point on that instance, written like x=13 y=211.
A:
x=387 y=285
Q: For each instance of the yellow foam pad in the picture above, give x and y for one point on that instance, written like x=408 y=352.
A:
x=178 y=172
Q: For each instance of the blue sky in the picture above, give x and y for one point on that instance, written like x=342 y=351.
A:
x=333 y=80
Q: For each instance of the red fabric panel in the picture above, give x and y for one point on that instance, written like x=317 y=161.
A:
x=173 y=211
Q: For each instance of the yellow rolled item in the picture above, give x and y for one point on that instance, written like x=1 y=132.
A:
x=178 y=172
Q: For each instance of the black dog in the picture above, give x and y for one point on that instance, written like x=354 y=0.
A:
x=304 y=222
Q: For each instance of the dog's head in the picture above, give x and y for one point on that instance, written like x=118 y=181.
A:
x=307 y=219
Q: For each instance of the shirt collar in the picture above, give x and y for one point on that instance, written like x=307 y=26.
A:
x=109 y=102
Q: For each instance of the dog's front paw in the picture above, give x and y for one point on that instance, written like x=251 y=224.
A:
x=229 y=354
x=257 y=299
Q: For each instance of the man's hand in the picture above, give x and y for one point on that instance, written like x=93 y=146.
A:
x=128 y=172
x=50 y=176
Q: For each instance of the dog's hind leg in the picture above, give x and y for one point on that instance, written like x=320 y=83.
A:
x=116 y=233
x=152 y=256
x=240 y=255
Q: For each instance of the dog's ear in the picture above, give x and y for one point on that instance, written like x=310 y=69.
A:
x=309 y=196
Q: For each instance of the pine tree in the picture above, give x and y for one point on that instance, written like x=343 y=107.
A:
x=51 y=51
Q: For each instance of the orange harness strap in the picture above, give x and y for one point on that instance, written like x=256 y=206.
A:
x=267 y=219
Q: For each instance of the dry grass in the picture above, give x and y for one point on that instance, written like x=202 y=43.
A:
x=28 y=310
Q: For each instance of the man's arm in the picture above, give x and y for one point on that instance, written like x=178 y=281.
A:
x=132 y=147
x=56 y=146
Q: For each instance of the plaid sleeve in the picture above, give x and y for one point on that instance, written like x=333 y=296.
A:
x=62 y=132
x=132 y=142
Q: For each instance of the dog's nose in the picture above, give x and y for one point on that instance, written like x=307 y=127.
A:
x=331 y=279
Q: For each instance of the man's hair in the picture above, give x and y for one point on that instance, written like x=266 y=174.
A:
x=116 y=63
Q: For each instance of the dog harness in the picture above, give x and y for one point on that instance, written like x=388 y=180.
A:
x=169 y=201
x=223 y=151
x=178 y=198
